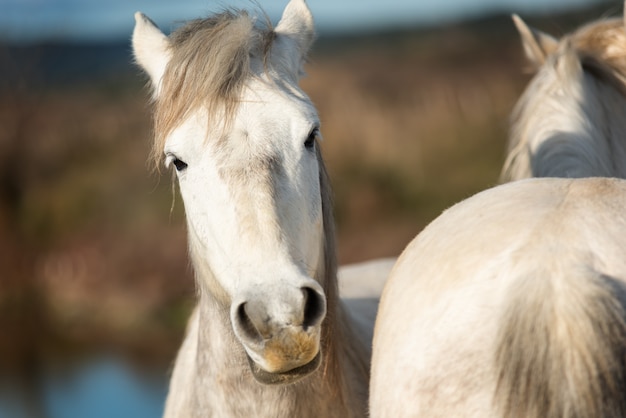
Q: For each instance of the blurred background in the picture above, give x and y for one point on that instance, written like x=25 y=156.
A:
x=95 y=286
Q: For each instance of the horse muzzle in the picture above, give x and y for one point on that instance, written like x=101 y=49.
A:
x=290 y=376
x=281 y=335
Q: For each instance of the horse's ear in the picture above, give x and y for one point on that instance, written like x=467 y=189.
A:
x=537 y=45
x=151 y=49
x=297 y=30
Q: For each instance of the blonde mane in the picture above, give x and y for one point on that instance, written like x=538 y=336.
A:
x=208 y=68
x=336 y=331
x=599 y=50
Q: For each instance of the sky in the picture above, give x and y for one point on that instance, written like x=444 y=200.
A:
x=28 y=21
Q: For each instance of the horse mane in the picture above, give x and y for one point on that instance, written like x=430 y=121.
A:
x=601 y=47
x=598 y=49
x=336 y=334
x=208 y=68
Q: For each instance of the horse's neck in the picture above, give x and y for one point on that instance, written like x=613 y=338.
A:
x=614 y=125
x=338 y=388
x=575 y=139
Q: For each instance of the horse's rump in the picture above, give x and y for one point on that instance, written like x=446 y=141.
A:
x=560 y=348
x=510 y=304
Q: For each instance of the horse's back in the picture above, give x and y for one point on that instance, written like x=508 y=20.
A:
x=442 y=344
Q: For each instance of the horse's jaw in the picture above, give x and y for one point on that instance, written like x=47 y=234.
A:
x=287 y=377
x=286 y=357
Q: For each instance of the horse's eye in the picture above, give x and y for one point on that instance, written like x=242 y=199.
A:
x=310 y=141
x=179 y=164
x=173 y=159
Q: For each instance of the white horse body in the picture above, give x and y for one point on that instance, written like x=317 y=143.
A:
x=571 y=120
x=269 y=336
x=510 y=304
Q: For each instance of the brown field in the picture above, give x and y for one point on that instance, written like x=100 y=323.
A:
x=91 y=251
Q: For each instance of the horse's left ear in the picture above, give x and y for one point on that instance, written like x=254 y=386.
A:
x=295 y=34
x=537 y=45
x=151 y=49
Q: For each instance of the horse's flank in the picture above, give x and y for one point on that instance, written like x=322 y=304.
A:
x=510 y=304
x=571 y=120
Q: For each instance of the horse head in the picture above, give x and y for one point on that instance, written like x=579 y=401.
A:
x=241 y=136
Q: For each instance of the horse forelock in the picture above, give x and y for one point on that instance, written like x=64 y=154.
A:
x=209 y=66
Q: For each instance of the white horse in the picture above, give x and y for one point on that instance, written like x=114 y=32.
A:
x=571 y=120
x=270 y=336
x=510 y=304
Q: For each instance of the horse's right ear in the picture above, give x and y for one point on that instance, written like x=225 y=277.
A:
x=537 y=45
x=151 y=49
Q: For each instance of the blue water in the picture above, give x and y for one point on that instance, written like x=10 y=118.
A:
x=101 y=387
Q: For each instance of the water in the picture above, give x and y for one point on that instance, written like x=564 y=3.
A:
x=104 y=386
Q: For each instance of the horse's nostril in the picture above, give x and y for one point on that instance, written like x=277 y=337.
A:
x=245 y=324
x=314 y=308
